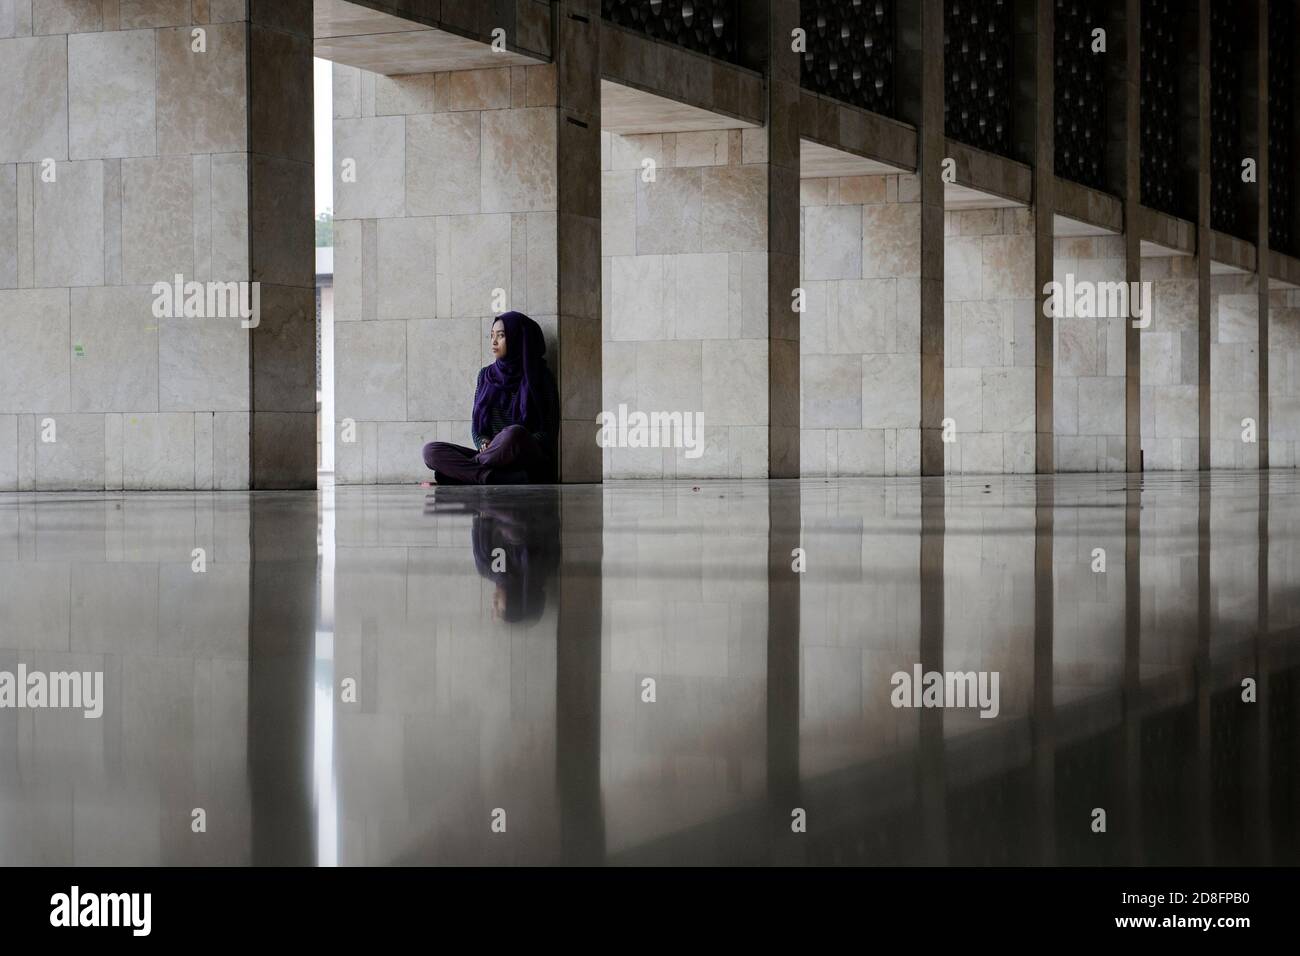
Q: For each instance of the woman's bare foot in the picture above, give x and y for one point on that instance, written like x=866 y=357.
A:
x=429 y=484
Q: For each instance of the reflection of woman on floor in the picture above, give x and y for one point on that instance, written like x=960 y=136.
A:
x=516 y=544
x=516 y=415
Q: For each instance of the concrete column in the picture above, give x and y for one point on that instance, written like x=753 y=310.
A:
x=783 y=241
x=577 y=63
x=1044 y=232
x=1132 y=234
x=929 y=159
x=1203 y=288
x=1262 y=255
x=281 y=246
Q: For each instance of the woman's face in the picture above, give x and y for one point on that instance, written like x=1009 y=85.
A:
x=498 y=339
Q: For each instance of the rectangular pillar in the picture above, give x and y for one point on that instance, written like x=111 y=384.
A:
x=1262 y=254
x=1203 y=133
x=281 y=246
x=930 y=170
x=577 y=239
x=1044 y=232
x=1132 y=237
x=783 y=241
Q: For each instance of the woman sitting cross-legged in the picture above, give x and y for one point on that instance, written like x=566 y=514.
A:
x=515 y=423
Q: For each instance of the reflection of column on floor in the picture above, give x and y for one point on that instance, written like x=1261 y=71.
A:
x=1043 y=740
x=1132 y=730
x=930 y=751
x=1203 y=848
x=282 y=657
x=1133 y=379
x=784 y=511
x=1257 y=763
x=578 y=677
x=1044 y=126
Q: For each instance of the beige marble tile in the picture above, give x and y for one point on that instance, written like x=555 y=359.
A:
x=478 y=262
x=443 y=360
x=1008 y=399
x=542 y=274
x=637 y=312
x=832 y=242
x=34 y=324
x=68 y=221
x=618 y=213
x=407 y=279
x=158 y=451
x=75 y=459
x=443 y=164
x=668 y=377
x=479 y=90
x=831 y=387
x=377 y=147
x=962 y=269
x=518 y=160
x=202 y=97
x=404 y=94
x=891 y=240
x=8 y=227
x=1008 y=267
x=668 y=212
x=865 y=316
x=114 y=363
x=157 y=219
x=370 y=371
x=733 y=216
x=702 y=296
x=34 y=113
x=705 y=148
x=202 y=365
x=981 y=333
x=112 y=94
x=891 y=391
x=153 y=13
x=64 y=16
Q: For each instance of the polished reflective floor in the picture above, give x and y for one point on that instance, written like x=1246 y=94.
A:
x=638 y=674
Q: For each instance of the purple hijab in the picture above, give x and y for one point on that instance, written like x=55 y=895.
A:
x=517 y=381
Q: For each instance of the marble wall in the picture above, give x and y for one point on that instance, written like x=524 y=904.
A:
x=124 y=161
x=1234 y=370
x=685 y=320
x=989 y=341
x=1170 y=361
x=1089 y=355
x=860 y=374
x=1284 y=378
x=451 y=220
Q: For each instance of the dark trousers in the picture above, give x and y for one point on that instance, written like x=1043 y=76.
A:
x=512 y=457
